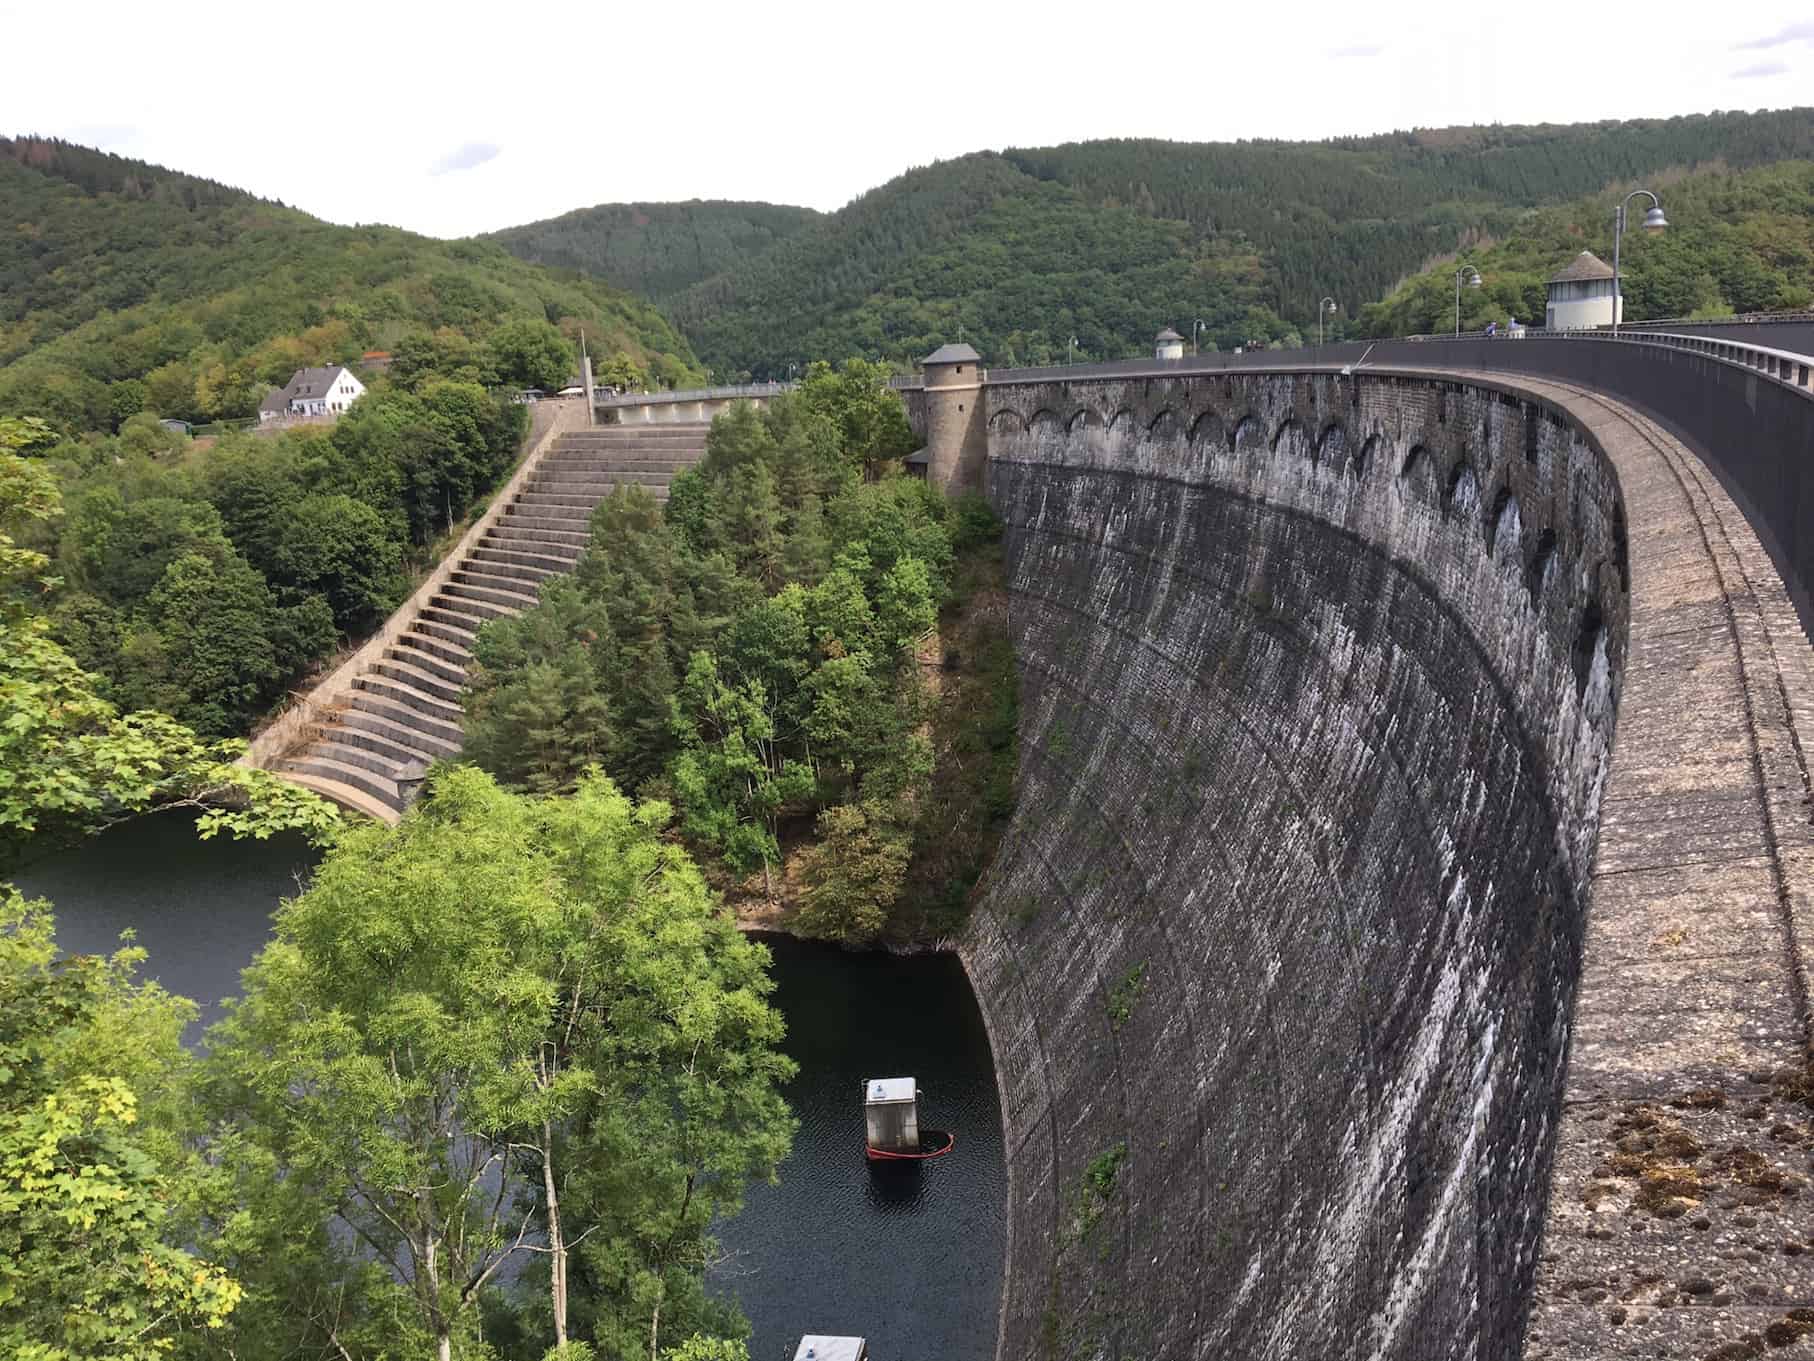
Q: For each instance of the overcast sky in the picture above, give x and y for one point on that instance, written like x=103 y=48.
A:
x=457 y=118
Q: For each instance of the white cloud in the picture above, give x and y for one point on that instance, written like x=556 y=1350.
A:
x=467 y=156
x=1794 y=33
x=1761 y=68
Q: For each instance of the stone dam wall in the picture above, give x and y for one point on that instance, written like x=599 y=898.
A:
x=1279 y=956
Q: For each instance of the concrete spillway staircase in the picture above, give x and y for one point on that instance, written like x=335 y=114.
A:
x=369 y=743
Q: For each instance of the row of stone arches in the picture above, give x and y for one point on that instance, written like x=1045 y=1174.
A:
x=1458 y=491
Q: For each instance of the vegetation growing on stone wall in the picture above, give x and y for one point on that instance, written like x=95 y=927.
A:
x=1125 y=996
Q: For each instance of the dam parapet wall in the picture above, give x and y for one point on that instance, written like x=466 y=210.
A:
x=1319 y=686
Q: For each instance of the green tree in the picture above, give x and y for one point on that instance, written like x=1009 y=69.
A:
x=69 y=760
x=531 y=354
x=87 y=1265
x=732 y=777
x=853 y=873
x=867 y=413
x=507 y=1022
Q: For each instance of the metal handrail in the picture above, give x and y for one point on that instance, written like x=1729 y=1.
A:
x=1785 y=366
x=694 y=394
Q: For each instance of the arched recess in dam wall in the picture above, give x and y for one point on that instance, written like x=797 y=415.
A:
x=1319 y=684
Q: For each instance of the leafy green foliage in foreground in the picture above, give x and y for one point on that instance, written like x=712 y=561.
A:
x=512 y=1031
x=125 y=287
x=1737 y=242
x=751 y=653
x=508 y=1023
x=88 y=1263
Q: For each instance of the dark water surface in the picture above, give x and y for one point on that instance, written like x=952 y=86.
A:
x=909 y=1257
x=201 y=909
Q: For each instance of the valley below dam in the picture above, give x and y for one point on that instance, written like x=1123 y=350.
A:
x=908 y=1256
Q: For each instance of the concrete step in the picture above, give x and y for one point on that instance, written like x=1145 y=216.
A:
x=524 y=528
x=577 y=466
x=375 y=725
x=517 y=540
x=540 y=565
x=348 y=797
x=450 y=619
x=330 y=747
x=555 y=513
x=382 y=701
x=470 y=584
x=452 y=652
x=371 y=746
x=443 y=718
x=602 y=482
x=554 y=502
x=570 y=528
x=405 y=671
x=456 y=636
x=449 y=673
x=476 y=600
x=490 y=562
x=324 y=768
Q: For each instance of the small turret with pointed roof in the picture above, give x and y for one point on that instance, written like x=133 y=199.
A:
x=957 y=444
x=1168 y=344
x=1581 y=295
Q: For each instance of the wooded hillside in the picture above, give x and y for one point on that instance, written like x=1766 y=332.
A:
x=654 y=249
x=1737 y=242
x=127 y=287
x=1109 y=241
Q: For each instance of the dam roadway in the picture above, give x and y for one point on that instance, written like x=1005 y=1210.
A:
x=1398 y=946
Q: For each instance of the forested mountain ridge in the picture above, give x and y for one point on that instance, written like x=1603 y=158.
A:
x=128 y=287
x=1107 y=241
x=1737 y=242
x=654 y=249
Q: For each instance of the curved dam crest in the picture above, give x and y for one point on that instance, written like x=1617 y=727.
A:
x=1279 y=955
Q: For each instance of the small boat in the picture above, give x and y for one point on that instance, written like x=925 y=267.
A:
x=891 y=1117
x=934 y=1143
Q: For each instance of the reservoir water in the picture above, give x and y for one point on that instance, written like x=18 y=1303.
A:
x=908 y=1257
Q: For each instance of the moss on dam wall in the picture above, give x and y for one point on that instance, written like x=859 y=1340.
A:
x=1319 y=678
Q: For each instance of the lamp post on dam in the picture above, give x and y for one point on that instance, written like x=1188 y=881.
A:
x=1654 y=222
x=1464 y=274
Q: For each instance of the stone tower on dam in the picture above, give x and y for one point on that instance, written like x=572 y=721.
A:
x=1396 y=949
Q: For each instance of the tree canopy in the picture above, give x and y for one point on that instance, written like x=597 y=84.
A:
x=512 y=1027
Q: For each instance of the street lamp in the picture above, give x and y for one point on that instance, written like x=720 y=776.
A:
x=1196 y=326
x=1654 y=221
x=1471 y=277
x=1070 y=353
x=1326 y=306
